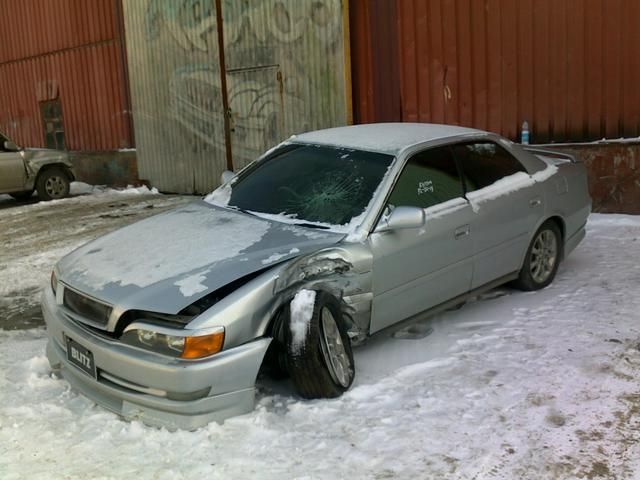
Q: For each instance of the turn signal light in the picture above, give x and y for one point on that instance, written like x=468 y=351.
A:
x=203 y=346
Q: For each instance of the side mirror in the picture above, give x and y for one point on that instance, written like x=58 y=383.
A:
x=401 y=218
x=10 y=146
x=226 y=176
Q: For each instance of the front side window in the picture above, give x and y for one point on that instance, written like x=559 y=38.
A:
x=484 y=163
x=311 y=183
x=429 y=178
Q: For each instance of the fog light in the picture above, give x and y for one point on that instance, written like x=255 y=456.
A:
x=203 y=346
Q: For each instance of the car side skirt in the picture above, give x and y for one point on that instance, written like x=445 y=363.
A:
x=445 y=305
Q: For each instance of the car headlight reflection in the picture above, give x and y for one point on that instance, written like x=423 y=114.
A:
x=190 y=344
x=159 y=340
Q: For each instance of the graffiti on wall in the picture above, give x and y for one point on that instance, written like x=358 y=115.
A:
x=272 y=49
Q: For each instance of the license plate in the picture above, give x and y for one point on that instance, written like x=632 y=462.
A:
x=81 y=357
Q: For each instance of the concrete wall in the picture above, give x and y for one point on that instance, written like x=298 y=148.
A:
x=116 y=169
x=614 y=174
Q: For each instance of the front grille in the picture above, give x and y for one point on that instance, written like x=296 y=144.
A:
x=87 y=308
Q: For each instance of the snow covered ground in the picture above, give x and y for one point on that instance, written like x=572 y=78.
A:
x=513 y=385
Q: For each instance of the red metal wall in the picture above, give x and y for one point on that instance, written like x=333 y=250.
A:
x=70 y=49
x=571 y=68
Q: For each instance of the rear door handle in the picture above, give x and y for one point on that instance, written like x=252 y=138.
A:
x=462 y=231
x=534 y=202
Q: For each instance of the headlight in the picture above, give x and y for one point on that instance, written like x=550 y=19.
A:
x=191 y=344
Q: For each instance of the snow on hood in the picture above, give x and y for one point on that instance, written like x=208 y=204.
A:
x=168 y=261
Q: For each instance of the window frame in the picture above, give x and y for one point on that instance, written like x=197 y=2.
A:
x=477 y=141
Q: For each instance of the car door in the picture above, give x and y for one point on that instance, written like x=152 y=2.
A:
x=507 y=204
x=12 y=173
x=418 y=268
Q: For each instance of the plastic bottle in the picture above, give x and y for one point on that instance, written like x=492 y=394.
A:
x=524 y=138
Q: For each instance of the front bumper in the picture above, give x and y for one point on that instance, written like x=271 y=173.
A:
x=157 y=390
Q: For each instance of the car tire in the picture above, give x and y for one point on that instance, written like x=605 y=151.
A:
x=542 y=259
x=53 y=184
x=322 y=365
x=22 y=196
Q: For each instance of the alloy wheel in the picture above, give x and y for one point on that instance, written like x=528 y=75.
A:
x=55 y=186
x=544 y=255
x=333 y=350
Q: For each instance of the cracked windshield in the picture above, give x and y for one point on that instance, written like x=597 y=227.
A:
x=324 y=185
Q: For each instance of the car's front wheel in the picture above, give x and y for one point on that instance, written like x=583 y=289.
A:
x=542 y=258
x=319 y=355
x=52 y=184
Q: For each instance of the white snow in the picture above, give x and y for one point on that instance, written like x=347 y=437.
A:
x=220 y=196
x=540 y=385
x=278 y=256
x=389 y=138
x=502 y=187
x=141 y=189
x=301 y=313
x=508 y=185
x=148 y=262
x=545 y=174
x=81 y=188
x=192 y=284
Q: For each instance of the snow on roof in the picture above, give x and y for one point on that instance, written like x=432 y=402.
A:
x=383 y=137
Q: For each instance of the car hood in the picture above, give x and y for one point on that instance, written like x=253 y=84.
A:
x=32 y=153
x=166 y=262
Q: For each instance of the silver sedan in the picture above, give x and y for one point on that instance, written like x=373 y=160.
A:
x=325 y=240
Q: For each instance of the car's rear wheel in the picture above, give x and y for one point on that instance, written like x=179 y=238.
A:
x=321 y=365
x=21 y=196
x=52 y=184
x=542 y=258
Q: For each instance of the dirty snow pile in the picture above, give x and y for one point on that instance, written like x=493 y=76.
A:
x=81 y=188
x=542 y=385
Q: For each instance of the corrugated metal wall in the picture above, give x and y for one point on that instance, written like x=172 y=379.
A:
x=284 y=74
x=569 y=67
x=66 y=49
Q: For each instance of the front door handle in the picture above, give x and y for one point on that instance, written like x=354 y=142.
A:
x=462 y=231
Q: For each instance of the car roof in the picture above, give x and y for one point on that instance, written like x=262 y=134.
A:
x=389 y=138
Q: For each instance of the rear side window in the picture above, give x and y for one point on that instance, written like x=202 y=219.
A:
x=484 y=163
x=429 y=178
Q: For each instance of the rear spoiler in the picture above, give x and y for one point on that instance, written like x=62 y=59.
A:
x=550 y=153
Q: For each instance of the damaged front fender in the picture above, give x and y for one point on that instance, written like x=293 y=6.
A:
x=343 y=272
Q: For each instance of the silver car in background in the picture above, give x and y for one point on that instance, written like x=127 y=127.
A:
x=23 y=170
x=325 y=240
